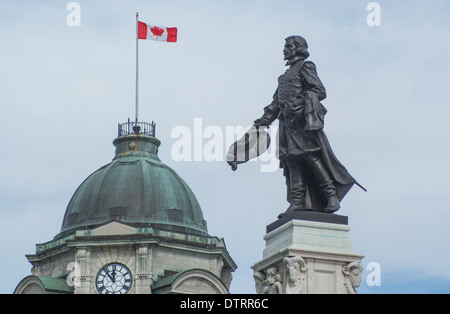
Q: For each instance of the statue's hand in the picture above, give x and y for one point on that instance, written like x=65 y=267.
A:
x=258 y=122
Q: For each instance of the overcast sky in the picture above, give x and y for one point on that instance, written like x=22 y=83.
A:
x=64 y=89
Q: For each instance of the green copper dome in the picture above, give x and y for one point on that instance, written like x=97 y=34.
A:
x=135 y=188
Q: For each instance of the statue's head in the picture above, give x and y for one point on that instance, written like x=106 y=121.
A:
x=295 y=46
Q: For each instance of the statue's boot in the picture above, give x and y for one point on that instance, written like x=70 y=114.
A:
x=326 y=183
x=297 y=191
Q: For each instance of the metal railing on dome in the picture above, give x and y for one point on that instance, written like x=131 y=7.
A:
x=138 y=128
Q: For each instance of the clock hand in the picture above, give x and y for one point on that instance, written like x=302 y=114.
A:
x=107 y=273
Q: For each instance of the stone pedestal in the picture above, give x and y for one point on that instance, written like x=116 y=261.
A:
x=308 y=253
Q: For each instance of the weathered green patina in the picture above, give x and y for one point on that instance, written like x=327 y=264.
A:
x=55 y=284
x=43 y=285
x=135 y=188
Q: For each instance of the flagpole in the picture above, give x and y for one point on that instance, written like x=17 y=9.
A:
x=137 y=66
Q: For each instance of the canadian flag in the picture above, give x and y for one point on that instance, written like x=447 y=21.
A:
x=167 y=34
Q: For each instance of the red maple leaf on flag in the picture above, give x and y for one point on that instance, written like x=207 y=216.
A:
x=156 y=31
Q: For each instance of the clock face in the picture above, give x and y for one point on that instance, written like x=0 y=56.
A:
x=113 y=278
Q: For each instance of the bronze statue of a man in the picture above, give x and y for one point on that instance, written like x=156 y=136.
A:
x=316 y=180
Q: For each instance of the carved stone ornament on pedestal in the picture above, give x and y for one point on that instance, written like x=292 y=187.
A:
x=272 y=284
x=290 y=276
x=295 y=274
x=352 y=273
x=286 y=278
x=259 y=277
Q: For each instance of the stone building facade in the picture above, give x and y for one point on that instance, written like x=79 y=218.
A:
x=133 y=226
